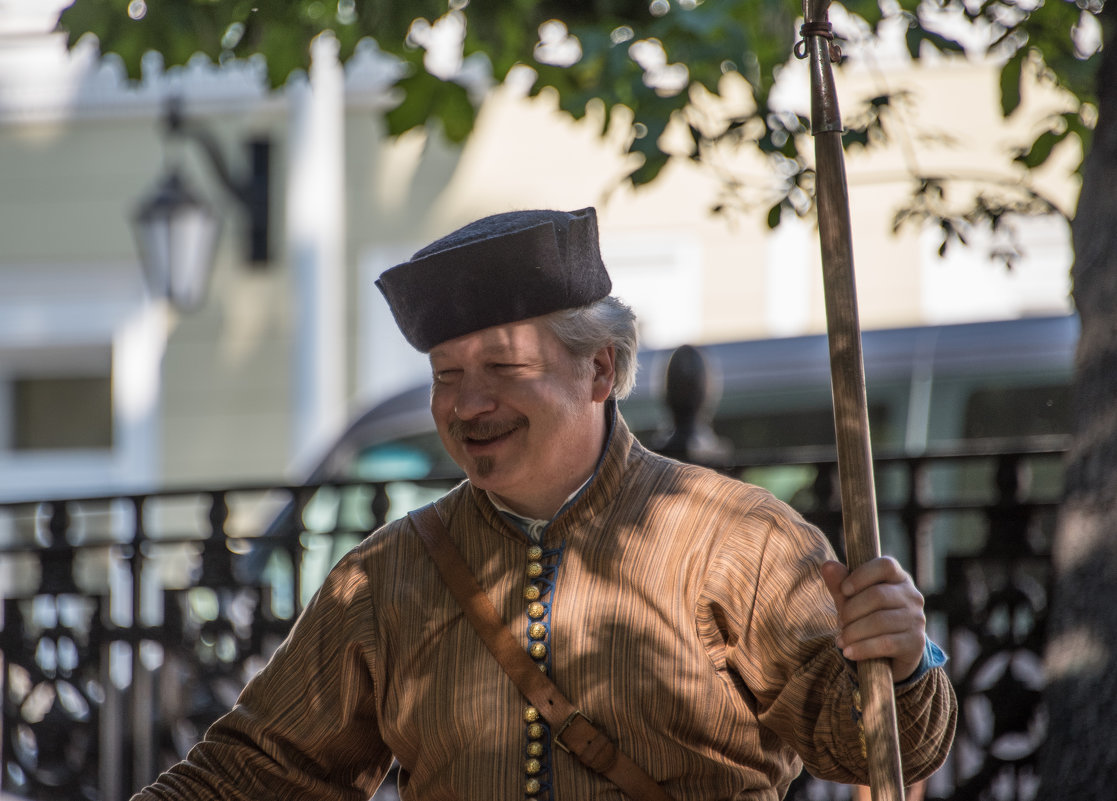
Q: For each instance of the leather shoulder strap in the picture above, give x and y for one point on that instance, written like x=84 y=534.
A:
x=570 y=728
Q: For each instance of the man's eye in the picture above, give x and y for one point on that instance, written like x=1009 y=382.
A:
x=446 y=376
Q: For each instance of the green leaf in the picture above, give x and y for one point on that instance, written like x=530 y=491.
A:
x=1010 y=83
x=427 y=98
x=916 y=35
x=418 y=93
x=289 y=51
x=1041 y=149
x=648 y=171
x=855 y=137
x=913 y=38
x=455 y=111
x=774 y=215
x=943 y=43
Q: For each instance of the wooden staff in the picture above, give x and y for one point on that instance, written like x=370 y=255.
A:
x=847 y=378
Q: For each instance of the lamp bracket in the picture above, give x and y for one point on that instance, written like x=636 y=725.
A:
x=250 y=190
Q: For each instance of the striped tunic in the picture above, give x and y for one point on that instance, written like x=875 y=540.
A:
x=682 y=611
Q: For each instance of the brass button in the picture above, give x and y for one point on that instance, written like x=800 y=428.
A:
x=535 y=610
x=531 y=714
x=535 y=731
x=532 y=766
x=531 y=593
x=534 y=570
x=532 y=786
x=535 y=749
x=537 y=631
x=538 y=650
x=534 y=553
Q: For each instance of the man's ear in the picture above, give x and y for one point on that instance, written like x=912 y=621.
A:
x=604 y=373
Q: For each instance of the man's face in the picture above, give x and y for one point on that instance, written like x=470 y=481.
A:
x=519 y=414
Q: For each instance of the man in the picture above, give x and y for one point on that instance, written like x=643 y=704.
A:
x=699 y=622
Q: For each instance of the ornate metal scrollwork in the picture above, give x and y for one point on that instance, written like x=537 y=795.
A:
x=53 y=693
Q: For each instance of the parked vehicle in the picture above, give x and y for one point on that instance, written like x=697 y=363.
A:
x=929 y=387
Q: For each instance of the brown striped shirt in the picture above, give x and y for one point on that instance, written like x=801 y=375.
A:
x=682 y=611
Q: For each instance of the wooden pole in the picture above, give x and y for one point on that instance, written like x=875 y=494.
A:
x=847 y=377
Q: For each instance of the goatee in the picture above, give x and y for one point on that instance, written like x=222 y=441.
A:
x=483 y=466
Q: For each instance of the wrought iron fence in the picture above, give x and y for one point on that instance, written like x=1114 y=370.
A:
x=131 y=622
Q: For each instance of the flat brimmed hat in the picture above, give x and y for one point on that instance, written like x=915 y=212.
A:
x=497 y=270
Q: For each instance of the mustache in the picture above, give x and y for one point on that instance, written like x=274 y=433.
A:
x=463 y=430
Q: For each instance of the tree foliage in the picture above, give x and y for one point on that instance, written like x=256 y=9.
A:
x=661 y=67
x=663 y=64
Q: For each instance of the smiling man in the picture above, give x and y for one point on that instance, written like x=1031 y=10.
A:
x=698 y=628
x=512 y=406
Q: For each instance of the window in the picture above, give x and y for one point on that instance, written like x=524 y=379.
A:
x=1018 y=411
x=80 y=355
x=51 y=413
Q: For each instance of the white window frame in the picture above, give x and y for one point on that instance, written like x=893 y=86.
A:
x=53 y=320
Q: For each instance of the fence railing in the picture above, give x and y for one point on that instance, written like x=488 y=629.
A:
x=129 y=623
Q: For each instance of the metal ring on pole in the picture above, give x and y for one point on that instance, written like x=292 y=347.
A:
x=823 y=29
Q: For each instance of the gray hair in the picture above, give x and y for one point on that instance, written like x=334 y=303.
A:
x=584 y=330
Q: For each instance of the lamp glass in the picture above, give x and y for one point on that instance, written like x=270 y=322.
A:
x=176 y=235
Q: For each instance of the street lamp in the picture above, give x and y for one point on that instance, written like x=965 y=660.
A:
x=176 y=231
x=176 y=235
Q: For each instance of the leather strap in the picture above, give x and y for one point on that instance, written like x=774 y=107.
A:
x=570 y=728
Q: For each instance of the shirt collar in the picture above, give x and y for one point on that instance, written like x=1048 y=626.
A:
x=532 y=526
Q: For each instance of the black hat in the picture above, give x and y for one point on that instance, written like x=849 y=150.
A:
x=497 y=270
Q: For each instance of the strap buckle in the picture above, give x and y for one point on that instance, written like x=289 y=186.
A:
x=565 y=724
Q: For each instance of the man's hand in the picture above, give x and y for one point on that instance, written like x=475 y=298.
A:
x=880 y=612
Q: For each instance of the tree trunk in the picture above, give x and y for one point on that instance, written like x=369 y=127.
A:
x=1079 y=759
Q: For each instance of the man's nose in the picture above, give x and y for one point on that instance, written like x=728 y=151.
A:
x=474 y=397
